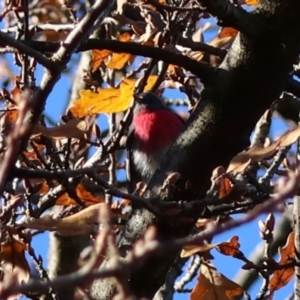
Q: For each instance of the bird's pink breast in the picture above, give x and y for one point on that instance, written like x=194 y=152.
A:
x=156 y=129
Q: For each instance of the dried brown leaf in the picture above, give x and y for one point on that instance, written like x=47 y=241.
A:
x=74 y=128
x=282 y=277
x=212 y=285
x=193 y=249
x=65 y=200
x=256 y=153
x=230 y=248
x=13 y=261
x=77 y=224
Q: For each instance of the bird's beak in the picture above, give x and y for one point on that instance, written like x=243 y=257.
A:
x=137 y=98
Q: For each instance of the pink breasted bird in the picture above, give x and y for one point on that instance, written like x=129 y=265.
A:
x=153 y=130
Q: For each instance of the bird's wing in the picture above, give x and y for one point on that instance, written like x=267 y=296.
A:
x=132 y=175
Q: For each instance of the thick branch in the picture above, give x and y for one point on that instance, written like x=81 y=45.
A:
x=230 y=15
x=7 y=40
x=203 y=71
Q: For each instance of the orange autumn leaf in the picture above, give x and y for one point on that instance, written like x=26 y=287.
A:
x=228 y=32
x=252 y=2
x=98 y=57
x=224 y=37
x=10 y=116
x=87 y=197
x=84 y=195
x=107 y=100
x=112 y=60
x=44 y=188
x=213 y=285
x=30 y=153
x=125 y=37
x=225 y=186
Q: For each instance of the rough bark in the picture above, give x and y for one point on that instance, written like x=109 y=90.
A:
x=63 y=259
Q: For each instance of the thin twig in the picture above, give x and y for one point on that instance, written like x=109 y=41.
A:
x=6 y=40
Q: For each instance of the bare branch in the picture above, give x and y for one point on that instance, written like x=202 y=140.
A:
x=7 y=40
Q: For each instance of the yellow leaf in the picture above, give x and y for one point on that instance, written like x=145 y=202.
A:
x=150 y=82
x=107 y=100
x=118 y=60
x=93 y=103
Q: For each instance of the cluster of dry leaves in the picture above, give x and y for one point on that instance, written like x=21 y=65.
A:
x=214 y=285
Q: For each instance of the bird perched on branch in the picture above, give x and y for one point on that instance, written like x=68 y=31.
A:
x=154 y=128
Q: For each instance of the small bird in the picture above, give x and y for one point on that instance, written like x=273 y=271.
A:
x=153 y=130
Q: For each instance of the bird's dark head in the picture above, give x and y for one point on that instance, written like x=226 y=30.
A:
x=148 y=101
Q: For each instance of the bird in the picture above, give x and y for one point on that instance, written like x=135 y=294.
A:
x=153 y=130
